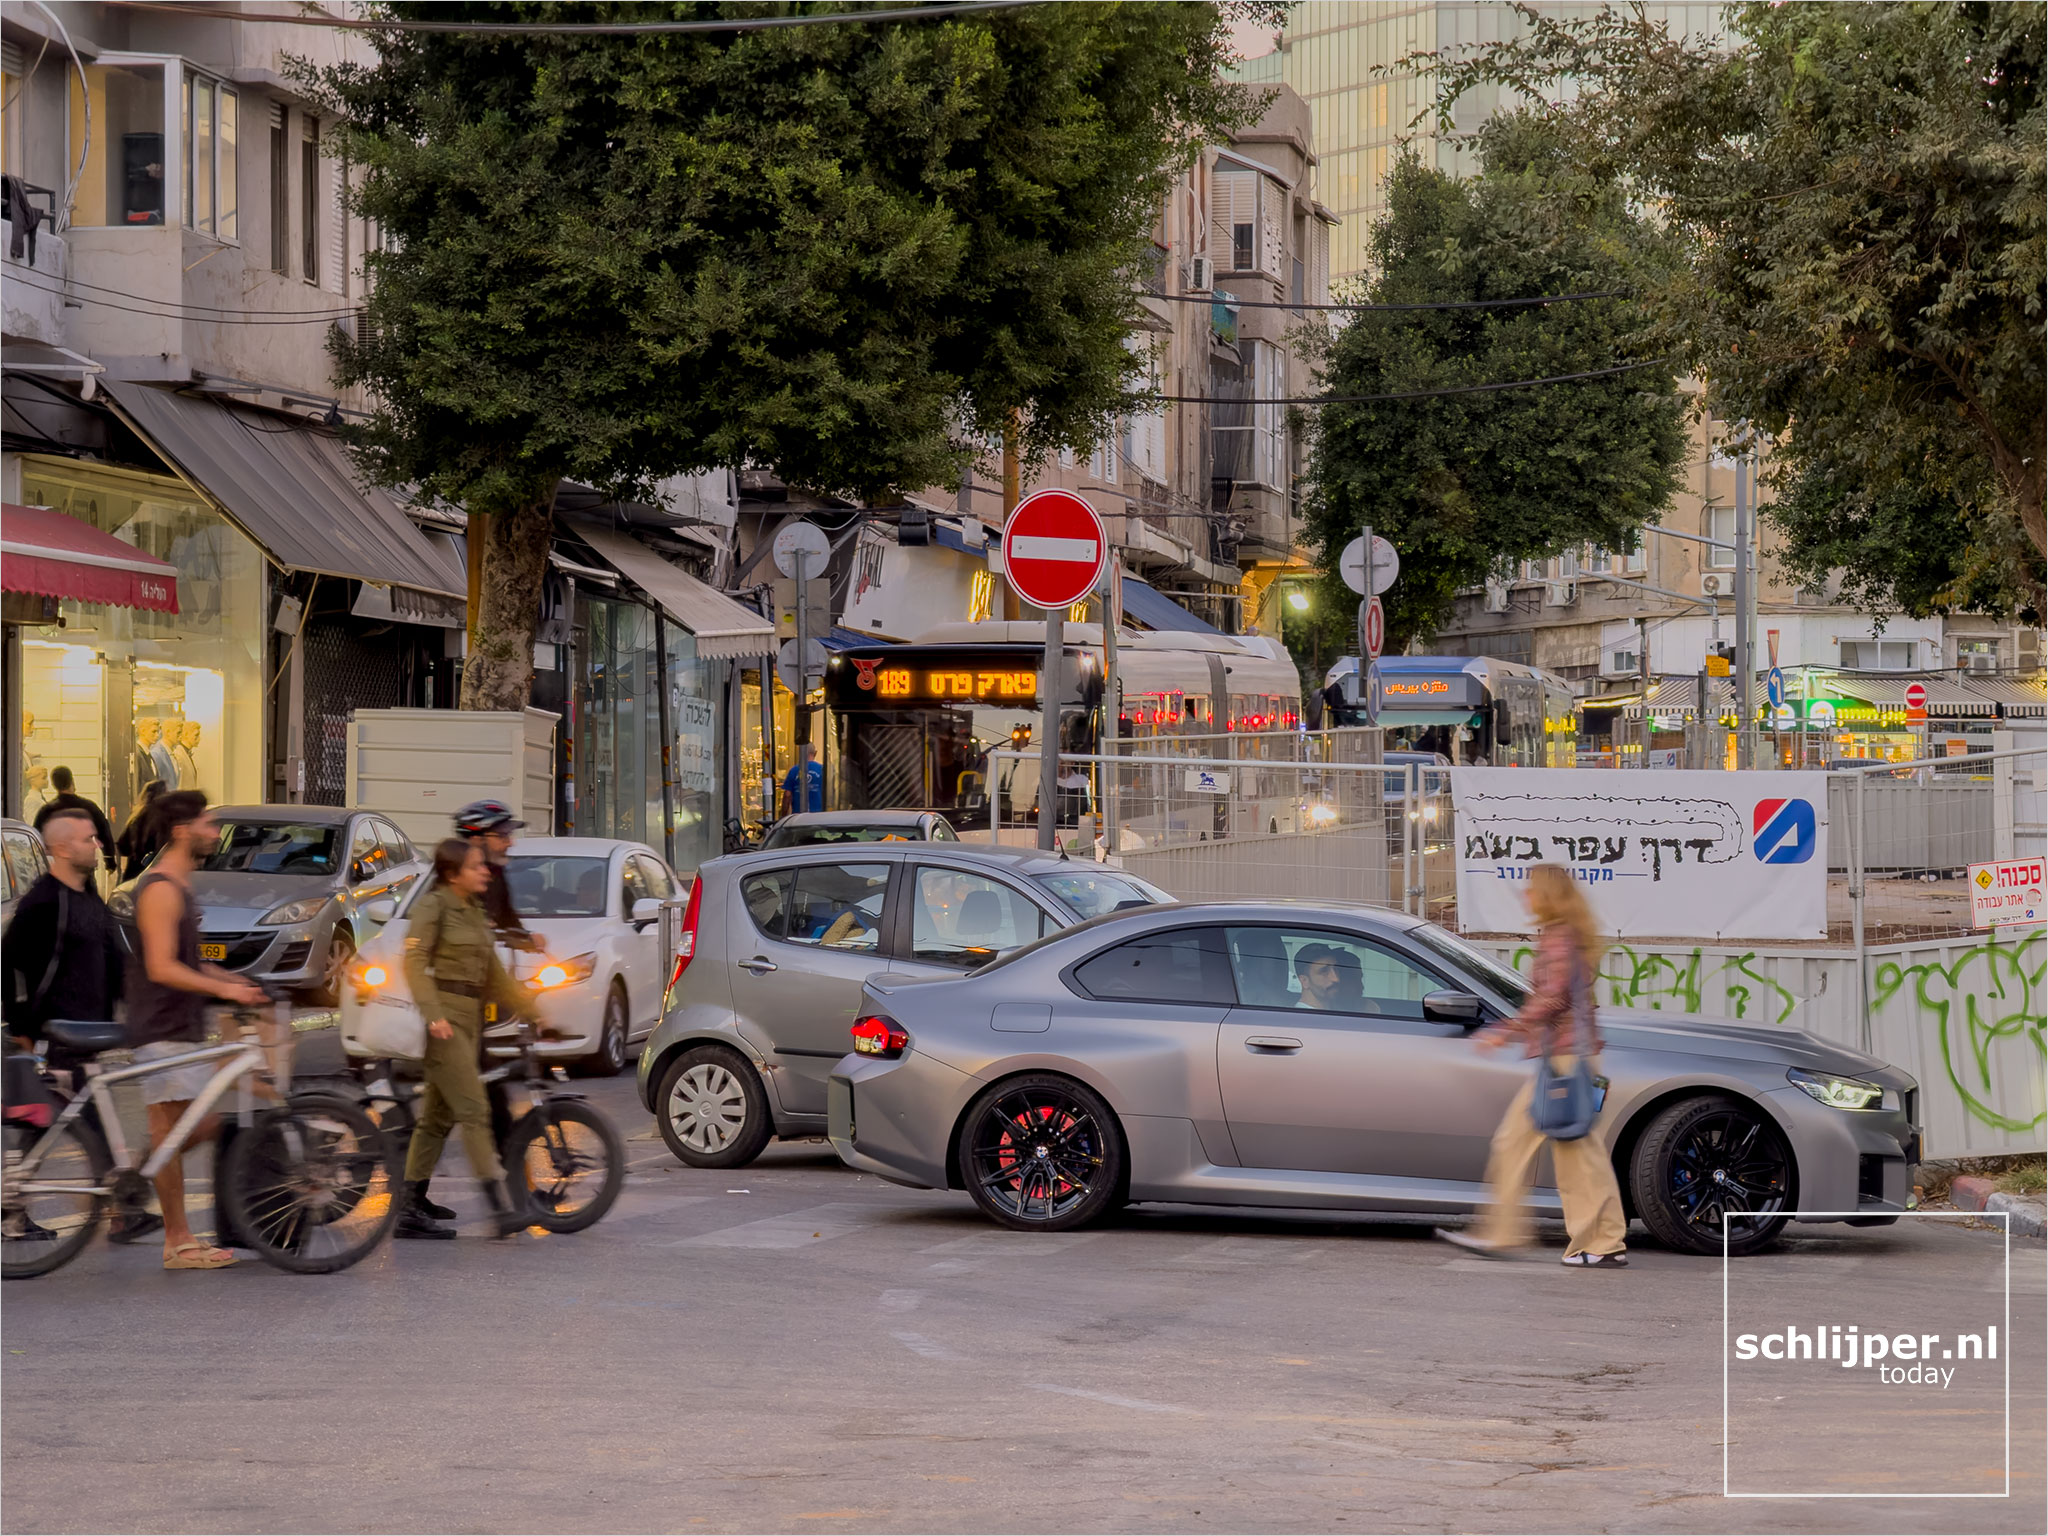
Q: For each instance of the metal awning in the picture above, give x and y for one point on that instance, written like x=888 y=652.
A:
x=51 y=555
x=2017 y=698
x=1155 y=610
x=723 y=628
x=1680 y=695
x=288 y=486
x=1888 y=692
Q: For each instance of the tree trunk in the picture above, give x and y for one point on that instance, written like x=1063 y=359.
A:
x=499 y=672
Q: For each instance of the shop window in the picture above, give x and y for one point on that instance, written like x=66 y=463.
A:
x=125 y=176
x=212 y=137
x=122 y=697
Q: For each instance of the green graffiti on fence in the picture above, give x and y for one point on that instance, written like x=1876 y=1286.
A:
x=1988 y=1008
x=1658 y=980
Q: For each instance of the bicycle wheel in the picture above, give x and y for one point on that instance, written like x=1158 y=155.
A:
x=311 y=1187
x=50 y=1227
x=572 y=1160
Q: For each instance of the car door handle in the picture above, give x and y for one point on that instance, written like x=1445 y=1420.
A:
x=1271 y=1043
x=759 y=965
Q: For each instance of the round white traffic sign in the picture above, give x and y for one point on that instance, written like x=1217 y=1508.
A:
x=1386 y=565
x=785 y=665
x=801 y=539
x=1054 y=549
x=1916 y=702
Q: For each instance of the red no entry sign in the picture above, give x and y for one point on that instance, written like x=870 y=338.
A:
x=1916 y=702
x=1054 y=549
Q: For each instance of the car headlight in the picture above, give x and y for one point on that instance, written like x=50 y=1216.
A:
x=303 y=911
x=122 y=903
x=564 y=973
x=1837 y=1092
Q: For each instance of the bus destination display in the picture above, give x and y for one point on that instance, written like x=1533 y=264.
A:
x=886 y=683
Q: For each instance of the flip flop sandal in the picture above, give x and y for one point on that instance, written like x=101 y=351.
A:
x=196 y=1255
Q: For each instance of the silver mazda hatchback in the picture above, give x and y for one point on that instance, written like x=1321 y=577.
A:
x=776 y=945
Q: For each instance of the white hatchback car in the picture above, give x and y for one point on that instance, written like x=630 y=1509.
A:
x=593 y=902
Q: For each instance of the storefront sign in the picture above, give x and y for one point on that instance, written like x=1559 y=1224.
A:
x=1820 y=714
x=1707 y=855
x=2007 y=892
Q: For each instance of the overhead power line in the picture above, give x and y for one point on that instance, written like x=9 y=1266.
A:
x=586 y=29
x=1230 y=303
x=1407 y=394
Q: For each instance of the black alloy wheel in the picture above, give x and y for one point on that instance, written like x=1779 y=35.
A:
x=1042 y=1153
x=1711 y=1163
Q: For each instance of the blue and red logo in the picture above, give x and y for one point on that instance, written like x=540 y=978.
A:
x=1785 y=831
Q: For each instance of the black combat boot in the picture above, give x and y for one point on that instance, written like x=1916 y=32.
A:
x=428 y=1207
x=508 y=1205
x=414 y=1219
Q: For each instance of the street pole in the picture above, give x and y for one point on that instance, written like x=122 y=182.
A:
x=801 y=717
x=1049 y=732
x=1112 y=703
x=1745 y=612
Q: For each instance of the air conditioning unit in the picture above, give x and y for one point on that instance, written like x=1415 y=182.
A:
x=1560 y=594
x=1496 y=597
x=1203 y=276
x=1981 y=661
x=1717 y=584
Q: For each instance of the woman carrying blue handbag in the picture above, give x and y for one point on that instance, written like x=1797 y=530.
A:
x=1557 y=1028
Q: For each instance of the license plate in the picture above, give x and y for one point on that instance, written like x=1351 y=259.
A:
x=213 y=951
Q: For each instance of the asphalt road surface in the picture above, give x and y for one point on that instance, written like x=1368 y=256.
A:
x=795 y=1347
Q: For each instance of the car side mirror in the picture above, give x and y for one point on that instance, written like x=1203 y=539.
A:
x=646 y=910
x=359 y=870
x=1451 y=1008
x=379 y=911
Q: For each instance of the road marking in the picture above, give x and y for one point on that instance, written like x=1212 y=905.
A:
x=1012 y=1245
x=1141 y=1404
x=930 y=1349
x=900 y=1301
x=792 y=1229
x=1250 y=1250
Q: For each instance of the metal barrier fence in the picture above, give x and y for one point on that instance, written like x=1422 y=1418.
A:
x=1901 y=835
x=1215 y=827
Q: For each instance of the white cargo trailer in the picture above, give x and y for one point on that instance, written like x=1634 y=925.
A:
x=419 y=766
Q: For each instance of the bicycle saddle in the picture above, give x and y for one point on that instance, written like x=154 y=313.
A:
x=87 y=1036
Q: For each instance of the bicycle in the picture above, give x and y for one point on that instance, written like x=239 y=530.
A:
x=304 y=1181
x=570 y=1158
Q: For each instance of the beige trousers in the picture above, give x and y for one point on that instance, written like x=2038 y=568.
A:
x=1585 y=1181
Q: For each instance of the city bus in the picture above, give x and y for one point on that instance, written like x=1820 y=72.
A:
x=1472 y=709
x=911 y=725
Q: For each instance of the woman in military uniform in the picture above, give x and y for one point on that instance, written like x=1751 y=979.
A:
x=453 y=971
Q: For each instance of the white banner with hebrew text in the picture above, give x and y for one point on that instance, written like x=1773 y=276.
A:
x=1682 y=854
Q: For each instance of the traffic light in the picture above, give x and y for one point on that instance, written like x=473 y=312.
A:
x=914 y=527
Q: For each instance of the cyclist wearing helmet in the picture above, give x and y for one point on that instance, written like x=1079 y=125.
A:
x=491 y=824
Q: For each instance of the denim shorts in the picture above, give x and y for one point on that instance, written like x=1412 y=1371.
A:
x=180 y=1085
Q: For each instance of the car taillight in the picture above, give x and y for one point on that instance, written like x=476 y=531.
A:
x=686 y=943
x=876 y=1035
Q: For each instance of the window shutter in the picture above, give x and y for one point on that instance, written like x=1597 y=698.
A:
x=334 y=274
x=1272 y=252
x=1233 y=200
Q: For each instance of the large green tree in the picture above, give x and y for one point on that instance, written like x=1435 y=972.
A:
x=1861 y=191
x=833 y=249
x=1465 y=482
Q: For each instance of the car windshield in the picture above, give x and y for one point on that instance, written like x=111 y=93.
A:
x=811 y=835
x=1510 y=984
x=556 y=885
x=1093 y=892
x=275 y=848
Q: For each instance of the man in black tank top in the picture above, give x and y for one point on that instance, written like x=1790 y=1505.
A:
x=168 y=989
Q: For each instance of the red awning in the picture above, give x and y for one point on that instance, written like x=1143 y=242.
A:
x=50 y=555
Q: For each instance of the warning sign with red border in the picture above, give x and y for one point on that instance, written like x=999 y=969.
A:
x=2007 y=892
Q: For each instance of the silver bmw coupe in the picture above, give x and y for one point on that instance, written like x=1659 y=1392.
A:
x=1274 y=1054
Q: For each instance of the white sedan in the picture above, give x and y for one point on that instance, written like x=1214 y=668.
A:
x=594 y=904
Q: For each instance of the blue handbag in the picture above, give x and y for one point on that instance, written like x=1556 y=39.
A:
x=1566 y=1104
